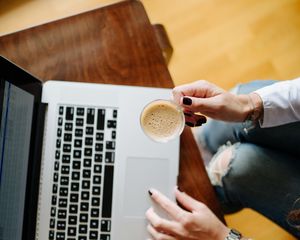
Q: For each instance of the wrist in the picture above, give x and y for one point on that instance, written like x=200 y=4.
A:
x=256 y=112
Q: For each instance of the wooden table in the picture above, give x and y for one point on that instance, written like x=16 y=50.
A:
x=115 y=44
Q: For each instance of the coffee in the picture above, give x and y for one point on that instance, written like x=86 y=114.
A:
x=162 y=120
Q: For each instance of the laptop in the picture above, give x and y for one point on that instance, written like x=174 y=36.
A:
x=75 y=163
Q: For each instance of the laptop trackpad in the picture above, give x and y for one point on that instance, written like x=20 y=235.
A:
x=142 y=174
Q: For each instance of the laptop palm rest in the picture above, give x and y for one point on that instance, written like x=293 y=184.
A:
x=141 y=175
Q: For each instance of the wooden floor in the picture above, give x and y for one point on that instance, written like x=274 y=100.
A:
x=226 y=42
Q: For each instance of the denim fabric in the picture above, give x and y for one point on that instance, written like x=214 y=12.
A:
x=264 y=172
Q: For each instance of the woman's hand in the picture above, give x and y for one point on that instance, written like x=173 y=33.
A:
x=198 y=222
x=210 y=100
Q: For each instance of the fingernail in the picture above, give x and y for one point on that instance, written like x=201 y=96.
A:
x=150 y=193
x=187 y=114
x=189 y=124
x=200 y=122
x=187 y=101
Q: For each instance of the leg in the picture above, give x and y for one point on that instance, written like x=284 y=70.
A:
x=267 y=181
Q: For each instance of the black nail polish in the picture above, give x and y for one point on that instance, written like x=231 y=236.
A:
x=200 y=122
x=187 y=101
x=187 y=114
x=189 y=124
x=150 y=193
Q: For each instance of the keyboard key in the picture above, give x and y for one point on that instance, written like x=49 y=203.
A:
x=97 y=179
x=86 y=184
x=79 y=122
x=86 y=173
x=75 y=175
x=78 y=132
x=60 y=236
x=84 y=206
x=64 y=180
x=67 y=137
x=71 y=231
x=88 y=141
x=99 y=136
x=67 y=148
x=52 y=223
x=66 y=158
x=110 y=145
x=89 y=131
x=61 y=110
x=97 y=168
x=77 y=154
x=61 y=225
x=95 y=202
x=65 y=169
x=109 y=157
x=104 y=237
x=115 y=113
x=99 y=147
x=105 y=225
x=80 y=111
x=54 y=188
x=98 y=158
x=59 y=132
x=111 y=124
x=74 y=197
x=76 y=165
x=73 y=208
x=88 y=152
x=60 y=121
x=87 y=162
x=107 y=191
x=96 y=190
x=82 y=238
x=113 y=134
x=78 y=143
x=62 y=203
x=58 y=143
x=83 y=217
x=57 y=154
x=85 y=195
x=90 y=116
x=74 y=187
x=54 y=200
x=95 y=212
x=100 y=119
x=53 y=211
x=69 y=113
x=62 y=214
x=94 y=223
x=63 y=192
x=82 y=229
x=55 y=177
x=56 y=166
x=51 y=235
x=93 y=235
x=68 y=126
x=72 y=220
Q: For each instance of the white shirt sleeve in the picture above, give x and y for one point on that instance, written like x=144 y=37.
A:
x=281 y=102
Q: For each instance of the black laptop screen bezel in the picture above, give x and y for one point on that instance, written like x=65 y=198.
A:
x=10 y=72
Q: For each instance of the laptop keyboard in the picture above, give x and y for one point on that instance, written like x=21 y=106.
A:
x=82 y=186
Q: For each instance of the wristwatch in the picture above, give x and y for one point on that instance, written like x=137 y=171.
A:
x=233 y=235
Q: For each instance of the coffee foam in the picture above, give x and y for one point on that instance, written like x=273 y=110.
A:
x=162 y=120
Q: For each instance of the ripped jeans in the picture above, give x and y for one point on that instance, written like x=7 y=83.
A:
x=264 y=169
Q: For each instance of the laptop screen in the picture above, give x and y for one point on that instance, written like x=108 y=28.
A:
x=20 y=144
x=16 y=121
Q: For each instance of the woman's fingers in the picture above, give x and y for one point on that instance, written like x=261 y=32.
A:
x=167 y=205
x=187 y=202
x=194 y=120
x=158 y=235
